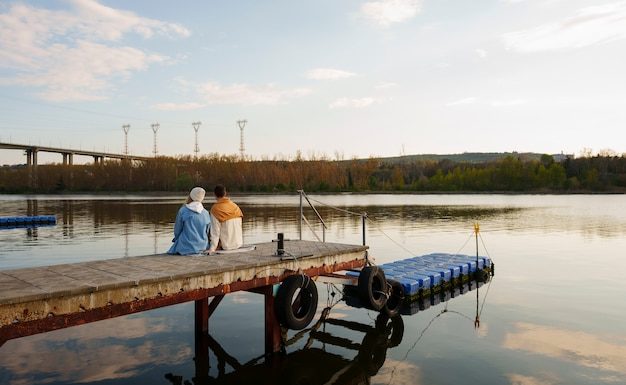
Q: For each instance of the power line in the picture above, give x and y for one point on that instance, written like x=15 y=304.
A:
x=92 y=112
x=72 y=108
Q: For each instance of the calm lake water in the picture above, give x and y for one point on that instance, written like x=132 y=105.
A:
x=553 y=314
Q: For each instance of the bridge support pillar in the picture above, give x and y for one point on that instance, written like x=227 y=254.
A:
x=70 y=159
x=34 y=157
x=29 y=158
x=65 y=159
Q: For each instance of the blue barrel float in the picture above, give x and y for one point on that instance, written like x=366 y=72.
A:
x=27 y=221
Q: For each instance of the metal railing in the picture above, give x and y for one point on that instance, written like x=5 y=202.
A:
x=304 y=220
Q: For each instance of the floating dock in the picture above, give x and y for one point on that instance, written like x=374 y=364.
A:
x=27 y=220
x=433 y=272
x=40 y=299
x=429 y=274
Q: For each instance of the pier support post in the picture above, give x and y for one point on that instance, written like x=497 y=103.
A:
x=34 y=157
x=201 y=334
x=272 y=327
x=70 y=158
x=202 y=316
x=65 y=159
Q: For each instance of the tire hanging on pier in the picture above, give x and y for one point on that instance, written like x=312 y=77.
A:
x=395 y=300
x=296 y=302
x=373 y=287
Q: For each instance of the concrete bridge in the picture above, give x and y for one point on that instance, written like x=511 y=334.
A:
x=31 y=152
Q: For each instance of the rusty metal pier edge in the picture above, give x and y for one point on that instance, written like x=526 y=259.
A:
x=203 y=309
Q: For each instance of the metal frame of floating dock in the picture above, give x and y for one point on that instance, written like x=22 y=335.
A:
x=40 y=299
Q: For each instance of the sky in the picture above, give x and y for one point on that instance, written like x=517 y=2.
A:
x=329 y=78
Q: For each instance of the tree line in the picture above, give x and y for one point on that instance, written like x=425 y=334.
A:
x=510 y=174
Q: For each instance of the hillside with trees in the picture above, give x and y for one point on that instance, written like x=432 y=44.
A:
x=508 y=174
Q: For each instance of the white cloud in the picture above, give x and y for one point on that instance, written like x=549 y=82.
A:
x=268 y=94
x=492 y=103
x=73 y=55
x=110 y=24
x=354 y=103
x=387 y=12
x=83 y=71
x=385 y=85
x=518 y=379
x=507 y=103
x=470 y=100
x=328 y=74
x=481 y=53
x=212 y=93
x=179 y=106
x=590 y=25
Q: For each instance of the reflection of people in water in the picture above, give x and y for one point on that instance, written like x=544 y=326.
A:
x=309 y=365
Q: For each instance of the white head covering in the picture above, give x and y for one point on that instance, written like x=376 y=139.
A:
x=197 y=194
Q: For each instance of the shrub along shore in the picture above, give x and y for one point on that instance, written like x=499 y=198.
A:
x=509 y=174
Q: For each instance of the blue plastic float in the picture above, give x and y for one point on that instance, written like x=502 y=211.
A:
x=27 y=221
x=427 y=272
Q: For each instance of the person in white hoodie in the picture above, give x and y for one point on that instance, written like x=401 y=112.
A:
x=192 y=226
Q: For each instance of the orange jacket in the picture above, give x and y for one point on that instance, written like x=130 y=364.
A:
x=225 y=209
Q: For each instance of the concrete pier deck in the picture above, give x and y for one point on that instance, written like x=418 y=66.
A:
x=40 y=299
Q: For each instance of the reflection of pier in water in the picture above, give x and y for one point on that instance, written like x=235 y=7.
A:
x=315 y=365
x=309 y=365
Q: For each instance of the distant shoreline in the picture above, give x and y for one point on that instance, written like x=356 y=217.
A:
x=174 y=194
x=597 y=175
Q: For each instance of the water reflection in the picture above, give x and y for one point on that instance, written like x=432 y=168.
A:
x=113 y=228
x=582 y=348
x=555 y=311
x=113 y=349
x=308 y=365
x=334 y=350
x=98 y=217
